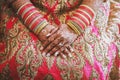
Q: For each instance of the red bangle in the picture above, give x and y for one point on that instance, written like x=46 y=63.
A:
x=82 y=17
x=37 y=22
x=28 y=13
x=78 y=22
x=32 y=18
x=87 y=9
x=20 y=11
x=82 y=12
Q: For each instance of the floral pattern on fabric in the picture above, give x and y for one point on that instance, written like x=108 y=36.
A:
x=96 y=55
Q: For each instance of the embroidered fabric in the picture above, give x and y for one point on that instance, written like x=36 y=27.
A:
x=96 y=55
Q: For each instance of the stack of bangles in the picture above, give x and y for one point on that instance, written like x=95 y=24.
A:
x=81 y=18
x=36 y=22
x=32 y=17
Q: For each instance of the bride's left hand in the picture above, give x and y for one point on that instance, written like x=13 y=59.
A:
x=63 y=46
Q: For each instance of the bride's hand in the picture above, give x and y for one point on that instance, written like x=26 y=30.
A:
x=60 y=42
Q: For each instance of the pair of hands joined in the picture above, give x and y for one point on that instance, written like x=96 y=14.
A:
x=57 y=40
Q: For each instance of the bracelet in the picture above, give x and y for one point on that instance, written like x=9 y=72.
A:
x=40 y=26
x=73 y=27
x=32 y=17
x=87 y=9
x=82 y=17
x=27 y=10
x=79 y=22
x=82 y=12
x=77 y=26
x=35 y=22
x=21 y=9
x=28 y=13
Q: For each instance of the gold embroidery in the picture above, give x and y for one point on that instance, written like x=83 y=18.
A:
x=29 y=60
x=48 y=77
x=71 y=67
x=5 y=75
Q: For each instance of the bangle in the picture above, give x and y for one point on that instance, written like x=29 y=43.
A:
x=77 y=26
x=80 y=11
x=21 y=9
x=79 y=22
x=30 y=16
x=27 y=10
x=40 y=26
x=88 y=10
x=35 y=22
x=82 y=17
x=73 y=27
x=28 y=13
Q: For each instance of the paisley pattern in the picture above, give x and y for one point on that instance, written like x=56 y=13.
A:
x=93 y=59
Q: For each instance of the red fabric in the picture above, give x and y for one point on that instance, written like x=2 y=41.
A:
x=2 y=66
x=42 y=71
x=11 y=22
x=51 y=11
x=2 y=47
x=13 y=68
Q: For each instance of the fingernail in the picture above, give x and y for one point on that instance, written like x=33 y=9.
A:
x=69 y=55
x=48 y=55
x=44 y=54
x=56 y=53
x=72 y=50
x=48 y=34
x=41 y=48
x=64 y=56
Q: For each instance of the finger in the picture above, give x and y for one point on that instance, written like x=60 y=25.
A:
x=53 y=31
x=70 y=48
x=67 y=52
x=56 y=53
x=62 y=54
x=58 y=47
x=49 y=40
x=52 y=45
x=45 y=37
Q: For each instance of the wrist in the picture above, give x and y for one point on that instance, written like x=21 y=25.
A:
x=30 y=15
x=81 y=18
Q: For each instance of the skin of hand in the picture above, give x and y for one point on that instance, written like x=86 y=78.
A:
x=52 y=37
x=48 y=34
x=60 y=42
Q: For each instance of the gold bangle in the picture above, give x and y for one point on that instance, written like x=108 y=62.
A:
x=34 y=20
x=80 y=21
x=73 y=27
x=40 y=27
x=77 y=26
